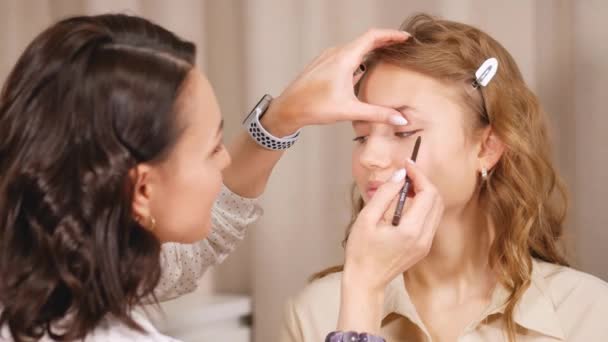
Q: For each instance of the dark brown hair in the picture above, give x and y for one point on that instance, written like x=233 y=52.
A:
x=89 y=99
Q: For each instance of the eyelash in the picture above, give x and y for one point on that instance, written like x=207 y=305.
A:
x=362 y=139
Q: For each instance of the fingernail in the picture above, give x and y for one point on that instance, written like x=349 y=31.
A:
x=398 y=176
x=398 y=120
x=406 y=34
x=411 y=161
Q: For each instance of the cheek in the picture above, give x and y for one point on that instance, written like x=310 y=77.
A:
x=359 y=173
x=200 y=193
x=186 y=207
x=450 y=168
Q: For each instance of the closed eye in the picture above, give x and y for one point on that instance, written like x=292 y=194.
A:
x=361 y=139
x=407 y=134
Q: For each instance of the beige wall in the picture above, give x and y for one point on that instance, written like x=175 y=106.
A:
x=590 y=127
x=249 y=47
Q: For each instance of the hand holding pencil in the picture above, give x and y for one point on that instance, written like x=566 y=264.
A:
x=377 y=251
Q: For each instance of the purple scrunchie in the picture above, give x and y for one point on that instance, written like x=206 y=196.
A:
x=351 y=336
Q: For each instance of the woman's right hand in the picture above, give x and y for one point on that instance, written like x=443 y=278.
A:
x=377 y=251
x=323 y=93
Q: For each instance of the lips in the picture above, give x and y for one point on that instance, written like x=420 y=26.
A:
x=370 y=193
x=371 y=188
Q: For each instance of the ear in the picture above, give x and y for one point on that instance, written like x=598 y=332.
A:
x=142 y=191
x=491 y=149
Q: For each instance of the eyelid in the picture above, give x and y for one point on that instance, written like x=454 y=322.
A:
x=401 y=134
x=404 y=134
x=360 y=138
x=410 y=132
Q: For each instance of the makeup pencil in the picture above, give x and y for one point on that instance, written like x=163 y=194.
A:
x=406 y=187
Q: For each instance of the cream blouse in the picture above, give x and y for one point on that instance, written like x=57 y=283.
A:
x=561 y=304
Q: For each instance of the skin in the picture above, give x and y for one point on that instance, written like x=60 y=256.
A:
x=180 y=191
x=452 y=285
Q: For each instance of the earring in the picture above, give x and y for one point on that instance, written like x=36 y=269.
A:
x=484 y=173
x=152 y=223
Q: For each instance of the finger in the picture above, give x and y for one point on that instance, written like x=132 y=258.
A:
x=417 y=211
x=374 y=39
x=358 y=74
x=419 y=180
x=361 y=111
x=376 y=207
x=320 y=59
x=421 y=205
x=392 y=208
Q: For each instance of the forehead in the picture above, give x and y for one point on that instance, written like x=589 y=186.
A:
x=419 y=97
x=197 y=105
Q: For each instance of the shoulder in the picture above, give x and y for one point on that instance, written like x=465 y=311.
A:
x=113 y=330
x=580 y=301
x=565 y=283
x=324 y=291
x=313 y=312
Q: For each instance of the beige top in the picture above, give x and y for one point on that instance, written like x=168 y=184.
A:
x=561 y=304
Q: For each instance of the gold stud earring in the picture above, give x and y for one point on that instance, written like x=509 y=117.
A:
x=484 y=173
x=152 y=223
x=138 y=219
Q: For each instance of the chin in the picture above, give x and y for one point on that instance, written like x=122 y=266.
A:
x=195 y=235
x=204 y=232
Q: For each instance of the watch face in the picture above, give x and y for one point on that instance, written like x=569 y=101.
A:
x=257 y=110
x=249 y=116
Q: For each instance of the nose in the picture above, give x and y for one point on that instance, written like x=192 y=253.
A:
x=375 y=154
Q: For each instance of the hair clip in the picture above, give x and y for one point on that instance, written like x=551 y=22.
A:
x=485 y=73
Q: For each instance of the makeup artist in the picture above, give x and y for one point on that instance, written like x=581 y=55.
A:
x=115 y=184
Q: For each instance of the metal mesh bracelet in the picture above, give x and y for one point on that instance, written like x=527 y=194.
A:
x=351 y=336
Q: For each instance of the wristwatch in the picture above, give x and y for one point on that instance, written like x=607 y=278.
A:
x=260 y=134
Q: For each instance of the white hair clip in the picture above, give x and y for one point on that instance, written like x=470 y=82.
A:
x=486 y=72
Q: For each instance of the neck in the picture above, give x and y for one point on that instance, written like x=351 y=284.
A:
x=459 y=256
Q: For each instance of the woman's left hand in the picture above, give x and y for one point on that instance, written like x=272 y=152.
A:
x=324 y=92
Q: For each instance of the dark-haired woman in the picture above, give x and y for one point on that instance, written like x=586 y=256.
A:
x=116 y=188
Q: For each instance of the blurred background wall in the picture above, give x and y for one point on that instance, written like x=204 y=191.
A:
x=251 y=47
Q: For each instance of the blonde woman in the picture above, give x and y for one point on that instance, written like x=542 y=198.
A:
x=495 y=271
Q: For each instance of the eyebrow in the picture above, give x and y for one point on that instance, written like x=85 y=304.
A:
x=411 y=112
